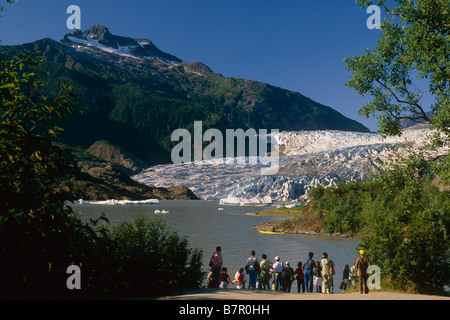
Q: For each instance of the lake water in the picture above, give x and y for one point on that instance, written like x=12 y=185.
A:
x=231 y=228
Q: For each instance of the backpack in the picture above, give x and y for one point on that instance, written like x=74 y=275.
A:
x=332 y=271
x=254 y=266
x=309 y=264
x=257 y=266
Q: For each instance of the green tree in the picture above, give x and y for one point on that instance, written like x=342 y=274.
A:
x=409 y=221
x=33 y=218
x=414 y=48
x=408 y=74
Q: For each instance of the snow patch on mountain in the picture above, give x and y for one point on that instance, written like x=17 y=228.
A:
x=90 y=42
x=137 y=49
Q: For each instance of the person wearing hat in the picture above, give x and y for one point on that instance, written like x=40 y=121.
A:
x=288 y=277
x=278 y=267
x=362 y=264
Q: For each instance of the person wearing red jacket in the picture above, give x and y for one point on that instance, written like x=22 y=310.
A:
x=300 y=278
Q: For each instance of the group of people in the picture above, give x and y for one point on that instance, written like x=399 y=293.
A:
x=310 y=276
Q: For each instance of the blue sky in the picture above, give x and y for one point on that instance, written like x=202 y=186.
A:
x=295 y=44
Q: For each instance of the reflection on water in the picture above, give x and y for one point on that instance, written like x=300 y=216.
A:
x=207 y=227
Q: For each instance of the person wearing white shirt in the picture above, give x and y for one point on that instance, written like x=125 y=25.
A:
x=278 y=266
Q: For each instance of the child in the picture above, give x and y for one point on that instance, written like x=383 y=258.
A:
x=300 y=278
x=345 y=278
x=240 y=279
x=209 y=279
x=317 y=271
x=224 y=278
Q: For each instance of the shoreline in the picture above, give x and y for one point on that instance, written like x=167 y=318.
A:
x=296 y=228
x=302 y=221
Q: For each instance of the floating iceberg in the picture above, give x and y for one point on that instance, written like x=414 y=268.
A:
x=121 y=202
x=246 y=202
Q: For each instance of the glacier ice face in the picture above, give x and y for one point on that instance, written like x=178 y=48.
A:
x=304 y=142
x=311 y=158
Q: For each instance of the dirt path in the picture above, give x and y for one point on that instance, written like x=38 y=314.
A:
x=233 y=294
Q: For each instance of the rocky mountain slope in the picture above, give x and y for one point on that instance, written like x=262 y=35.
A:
x=104 y=174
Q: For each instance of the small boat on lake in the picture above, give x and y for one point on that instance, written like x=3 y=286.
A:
x=270 y=232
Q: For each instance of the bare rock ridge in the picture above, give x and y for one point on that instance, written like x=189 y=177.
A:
x=117 y=155
x=105 y=173
x=98 y=36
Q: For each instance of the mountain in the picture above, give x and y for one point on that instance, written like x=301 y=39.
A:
x=134 y=95
x=406 y=123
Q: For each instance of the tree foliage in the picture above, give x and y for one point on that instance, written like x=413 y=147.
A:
x=402 y=219
x=409 y=229
x=31 y=165
x=34 y=222
x=40 y=236
x=406 y=224
x=154 y=260
x=414 y=49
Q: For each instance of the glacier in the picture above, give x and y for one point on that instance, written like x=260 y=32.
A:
x=308 y=159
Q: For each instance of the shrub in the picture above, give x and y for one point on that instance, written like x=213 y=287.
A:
x=341 y=206
x=154 y=260
x=409 y=240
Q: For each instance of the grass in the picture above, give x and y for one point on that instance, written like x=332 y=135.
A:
x=282 y=211
x=386 y=286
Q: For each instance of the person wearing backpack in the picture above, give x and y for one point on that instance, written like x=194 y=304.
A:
x=308 y=272
x=328 y=272
x=252 y=269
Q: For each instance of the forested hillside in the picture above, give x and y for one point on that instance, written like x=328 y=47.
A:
x=136 y=98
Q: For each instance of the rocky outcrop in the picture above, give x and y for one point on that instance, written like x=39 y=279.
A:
x=116 y=155
x=105 y=173
x=104 y=181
